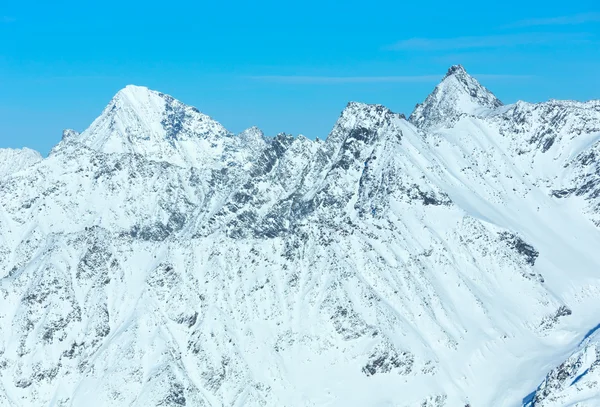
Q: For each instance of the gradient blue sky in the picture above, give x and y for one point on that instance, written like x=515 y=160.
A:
x=281 y=66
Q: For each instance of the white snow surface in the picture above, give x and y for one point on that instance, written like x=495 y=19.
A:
x=15 y=160
x=156 y=259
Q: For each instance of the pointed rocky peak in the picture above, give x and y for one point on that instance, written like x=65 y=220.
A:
x=358 y=130
x=457 y=94
x=365 y=115
x=363 y=121
x=456 y=70
x=252 y=134
x=253 y=139
x=281 y=142
x=69 y=133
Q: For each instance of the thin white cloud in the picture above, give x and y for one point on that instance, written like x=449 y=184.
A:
x=7 y=19
x=325 y=80
x=492 y=41
x=562 y=20
x=334 y=80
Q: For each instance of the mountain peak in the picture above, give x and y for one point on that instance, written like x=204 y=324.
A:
x=132 y=89
x=456 y=70
x=154 y=124
x=457 y=94
x=138 y=97
x=365 y=115
x=253 y=135
x=253 y=131
x=362 y=118
x=69 y=133
x=132 y=93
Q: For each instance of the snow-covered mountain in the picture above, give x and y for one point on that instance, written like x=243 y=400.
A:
x=450 y=259
x=457 y=94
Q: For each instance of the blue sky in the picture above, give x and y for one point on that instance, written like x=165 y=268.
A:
x=281 y=66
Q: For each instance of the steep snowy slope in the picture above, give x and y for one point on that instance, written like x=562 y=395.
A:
x=575 y=382
x=157 y=259
x=12 y=160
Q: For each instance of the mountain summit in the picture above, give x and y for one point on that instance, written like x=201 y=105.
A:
x=142 y=121
x=457 y=94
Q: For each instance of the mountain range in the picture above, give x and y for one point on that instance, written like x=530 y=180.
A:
x=448 y=259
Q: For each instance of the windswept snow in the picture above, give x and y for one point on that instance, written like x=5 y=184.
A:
x=447 y=260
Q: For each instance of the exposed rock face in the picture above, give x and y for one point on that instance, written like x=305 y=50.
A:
x=156 y=259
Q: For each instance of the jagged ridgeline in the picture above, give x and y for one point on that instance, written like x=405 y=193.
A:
x=451 y=259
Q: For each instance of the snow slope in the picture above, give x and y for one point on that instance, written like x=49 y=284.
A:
x=575 y=382
x=447 y=260
x=12 y=160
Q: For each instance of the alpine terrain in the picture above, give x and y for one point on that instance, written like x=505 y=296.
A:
x=448 y=259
